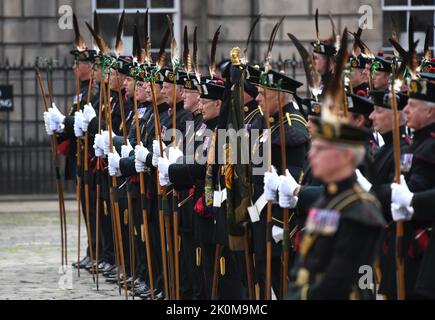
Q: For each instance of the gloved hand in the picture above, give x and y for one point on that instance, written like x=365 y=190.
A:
x=163 y=165
x=287 y=202
x=163 y=180
x=47 y=123
x=140 y=155
x=114 y=164
x=56 y=119
x=106 y=140
x=400 y=194
x=88 y=115
x=78 y=124
x=363 y=182
x=401 y=213
x=271 y=184
x=174 y=154
x=286 y=191
x=157 y=152
x=99 y=145
x=126 y=150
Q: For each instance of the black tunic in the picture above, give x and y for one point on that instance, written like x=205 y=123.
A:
x=342 y=234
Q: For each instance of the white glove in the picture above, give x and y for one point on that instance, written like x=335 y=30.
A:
x=288 y=185
x=400 y=194
x=271 y=184
x=88 y=115
x=114 y=164
x=163 y=180
x=78 y=124
x=157 y=152
x=126 y=149
x=56 y=119
x=47 y=123
x=286 y=190
x=401 y=213
x=106 y=140
x=288 y=202
x=99 y=145
x=174 y=154
x=163 y=165
x=363 y=182
x=141 y=153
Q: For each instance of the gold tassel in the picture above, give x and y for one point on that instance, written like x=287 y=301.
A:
x=125 y=217
x=135 y=231
x=288 y=119
x=106 y=213
x=222 y=265
x=142 y=234
x=198 y=256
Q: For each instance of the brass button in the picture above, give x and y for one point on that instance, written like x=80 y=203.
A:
x=332 y=188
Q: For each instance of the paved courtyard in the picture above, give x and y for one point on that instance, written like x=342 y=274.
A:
x=30 y=255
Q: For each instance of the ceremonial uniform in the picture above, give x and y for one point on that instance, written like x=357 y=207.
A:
x=340 y=236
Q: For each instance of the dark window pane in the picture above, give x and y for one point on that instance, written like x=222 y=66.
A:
x=129 y=22
x=140 y=4
x=162 y=3
x=396 y=2
x=422 y=19
x=158 y=28
x=108 y=25
x=107 y=4
x=423 y=2
x=401 y=23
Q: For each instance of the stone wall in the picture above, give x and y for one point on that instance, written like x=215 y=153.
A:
x=29 y=28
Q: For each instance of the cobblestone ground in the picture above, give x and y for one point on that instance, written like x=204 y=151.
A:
x=30 y=255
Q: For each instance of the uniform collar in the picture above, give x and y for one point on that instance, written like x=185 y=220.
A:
x=250 y=106
x=212 y=123
x=163 y=107
x=332 y=189
x=388 y=137
x=287 y=108
x=425 y=132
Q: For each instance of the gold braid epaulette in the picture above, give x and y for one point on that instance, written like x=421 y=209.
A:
x=251 y=115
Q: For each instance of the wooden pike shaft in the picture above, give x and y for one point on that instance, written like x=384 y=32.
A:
x=268 y=293
x=285 y=246
x=160 y=193
x=144 y=211
x=85 y=175
x=175 y=202
x=129 y=195
x=106 y=97
x=98 y=173
x=50 y=93
x=78 y=180
x=59 y=187
x=400 y=269
x=116 y=203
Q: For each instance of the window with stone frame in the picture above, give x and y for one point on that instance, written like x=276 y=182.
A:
x=400 y=11
x=109 y=12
